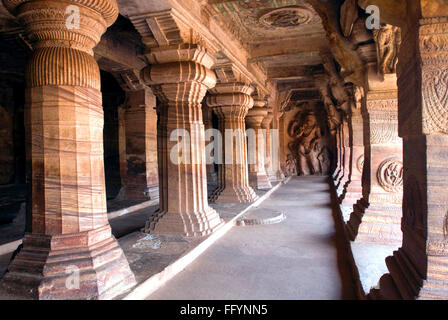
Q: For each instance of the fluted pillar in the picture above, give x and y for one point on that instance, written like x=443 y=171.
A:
x=70 y=252
x=138 y=146
x=377 y=216
x=231 y=102
x=180 y=77
x=258 y=178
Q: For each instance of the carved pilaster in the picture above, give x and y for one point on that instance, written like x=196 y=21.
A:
x=70 y=229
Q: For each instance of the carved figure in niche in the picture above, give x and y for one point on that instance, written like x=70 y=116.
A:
x=388 y=40
x=334 y=118
x=290 y=168
x=333 y=115
x=324 y=160
x=358 y=95
x=306 y=147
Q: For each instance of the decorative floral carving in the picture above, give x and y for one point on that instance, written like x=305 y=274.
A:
x=390 y=175
x=435 y=99
x=286 y=17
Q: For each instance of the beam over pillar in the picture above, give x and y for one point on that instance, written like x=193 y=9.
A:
x=70 y=252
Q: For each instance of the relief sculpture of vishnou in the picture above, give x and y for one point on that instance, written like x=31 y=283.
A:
x=307 y=148
x=136 y=133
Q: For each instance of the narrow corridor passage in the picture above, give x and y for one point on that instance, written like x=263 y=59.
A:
x=300 y=258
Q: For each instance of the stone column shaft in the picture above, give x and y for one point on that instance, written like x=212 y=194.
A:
x=269 y=165
x=70 y=230
x=138 y=164
x=231 y=103
x=346 y=155
x=257 y=172
x=212 y=177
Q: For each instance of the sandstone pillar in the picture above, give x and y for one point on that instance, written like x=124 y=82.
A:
x=212 y=177
x=268 y=163
x=71 y=238
x=354 y=188
x=420 y=267
x=138 y=146
x=345 y=156
x=231 y=102
x=180 y=76
x=279 y=123
x=339 y=153
x=377 y=216
x=258 y=178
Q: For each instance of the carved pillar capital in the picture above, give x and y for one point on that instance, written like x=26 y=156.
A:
x=267 y=120
x=255 y=117
x=46 y=22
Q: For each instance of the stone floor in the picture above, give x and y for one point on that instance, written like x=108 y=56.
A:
x=301 y=257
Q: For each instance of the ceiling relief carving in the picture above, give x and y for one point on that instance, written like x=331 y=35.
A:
x=286 y=17
x=256 y=21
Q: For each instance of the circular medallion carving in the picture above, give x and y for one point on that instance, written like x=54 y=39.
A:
x=360 y=163
x=286 y=17
x=390 y=175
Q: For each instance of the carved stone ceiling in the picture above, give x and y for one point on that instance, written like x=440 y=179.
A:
x=283 y=36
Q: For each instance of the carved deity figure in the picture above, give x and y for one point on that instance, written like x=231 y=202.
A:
x=306 y=147
x=388 y=40
x=358 y=95
x=334 y=118
x=290 y=168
